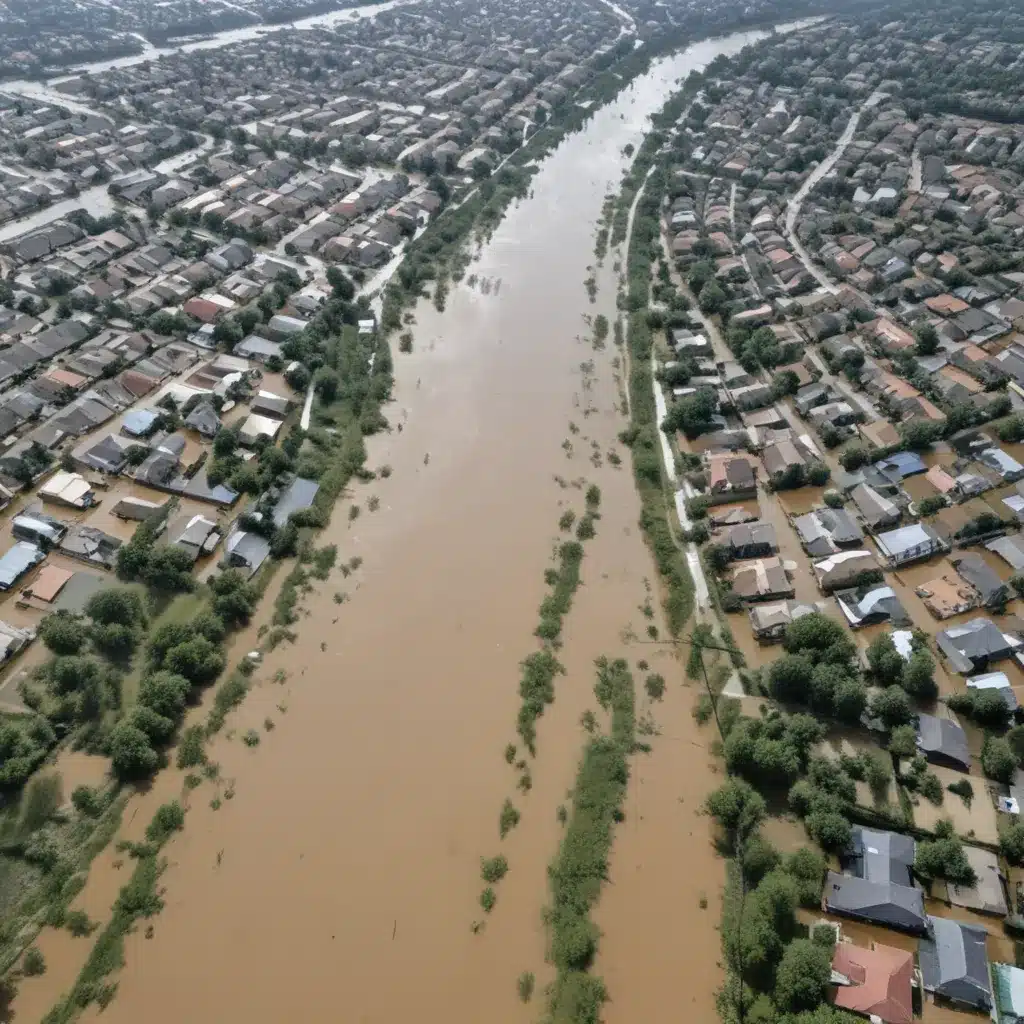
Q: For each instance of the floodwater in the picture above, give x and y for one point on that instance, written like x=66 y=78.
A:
x=344 y=875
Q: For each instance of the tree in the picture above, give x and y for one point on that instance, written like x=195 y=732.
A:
x=892 y=707
x=198 y=660
x=986 y=707
x=115 y=640
x=343 y=288
x=818 y=474
x=903 y=742
x=998 y=760
x=1011 y=843
x=131 y=754
x=692 y=414
x=63 y=633
x=944 y=857
x=327 y=384
x=849 y=701
x=785 y=383
x=169 y=569
x=737 y=807
x=918 y=676
x=228 y=332
x=927 y=339
x=298 y=378
x=853 y=458
x=789 y=678
x=165 y=693
x=884 y=660
x=814 y=632
x=918 y=434
x=157 y=728
x=802 y=980
x=712 y=298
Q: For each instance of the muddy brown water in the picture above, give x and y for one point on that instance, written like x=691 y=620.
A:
x=343 y=877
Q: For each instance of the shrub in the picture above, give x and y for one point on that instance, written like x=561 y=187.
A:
x=524 y=986
x=1011 y=842
x=493 y=869
x=79 y=923
x=944 y=857
x=33 y=963
x=903 y=741
x=63 y=633
x=998 y=760
x=87 y=801
x=488 y=899
x=191 y=750
x=508 y=819
x=169 y=818
x=737 y=807
x=131 y=754
x=654 y=684
x=963 y=789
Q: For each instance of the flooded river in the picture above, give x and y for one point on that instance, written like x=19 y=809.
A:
x=343 y=878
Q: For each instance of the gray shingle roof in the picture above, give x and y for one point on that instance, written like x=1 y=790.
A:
x=954 y=963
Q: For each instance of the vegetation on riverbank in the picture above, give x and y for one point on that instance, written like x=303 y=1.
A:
x=581 y=865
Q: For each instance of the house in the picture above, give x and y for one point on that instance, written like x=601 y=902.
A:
x=781 y=457
x=769 y=621
x=998 y=682
x=139 y=422
x=1010 y=549
x=298 y=495
x=135 y=509
x=1008 y=991
x=980 y=575
x=987 y=895
x=266 y=403
x=875 y=509
x=203 y=419
x=879 y=433
x=973 y=646
x=42 y=530
x=255 y=427
x=752 y=396
x=246 y=551
x=876 y=902
x=909 y=544
x=867 y=606
x=948 y=595
x=88 y=544
x=954 y=964
x=842 y=569
x=874 y=983
x=199 y=537
x=68 y=489
x=761 y=579
x=48 y=584
x=751 y=540
x=810 y=397
x=826 y=531
x=730 y=478
x=879 y=856
x=943 y=741
x=260 y=349
x=17 y=561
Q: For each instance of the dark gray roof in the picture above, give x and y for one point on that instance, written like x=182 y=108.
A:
x=954 y=963
x=879 y=856
x=247 y=550
x=752 y=535
x=974 y=645
x=91 y=545
x=885 y=903
x=943 y=741
x=297 y=495
x=204 y=419
x=866 y=605
x=980 y=575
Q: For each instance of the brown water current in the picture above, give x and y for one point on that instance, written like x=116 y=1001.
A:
x=342 y=879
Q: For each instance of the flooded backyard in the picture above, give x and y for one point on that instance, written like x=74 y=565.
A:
x=344 y=875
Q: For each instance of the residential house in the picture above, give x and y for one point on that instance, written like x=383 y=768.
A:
x=870 y=605
x=826 y=531
x=943 y=742
x=769 y=621
x=68 y=489
x=992 y=592
x=954 y=963
x=17 y=561
x=909 y=544
x=875 y=983
x=877 y=511
x=761 y=580
x=88 y=544
x=974 y=645
x=730 y=478
x=842 y=569
x=751 y=540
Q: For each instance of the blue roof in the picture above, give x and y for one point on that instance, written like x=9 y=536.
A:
x=139 y=421
x=905 y=463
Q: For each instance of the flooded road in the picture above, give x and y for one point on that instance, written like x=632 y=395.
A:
x=343 y=878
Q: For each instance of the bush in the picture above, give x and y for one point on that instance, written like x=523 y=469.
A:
x=86 y=801
x=903 y=741
x=737 y=807
x=79 y=923
x=493 y=869
x=963 y=789
x=33 y=963
x=986 y=707
x=169 y=818
x=191 y=749
x=892 y=707
x=165 y=693
x=654 y=684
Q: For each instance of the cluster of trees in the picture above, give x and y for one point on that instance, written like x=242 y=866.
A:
x=818 y=670
x=774 y=970
x=943 y=857
x=817 y=474
x=916 y=674
x=692 y=414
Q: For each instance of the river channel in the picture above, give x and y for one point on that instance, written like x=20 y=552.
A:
x=342 y=880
